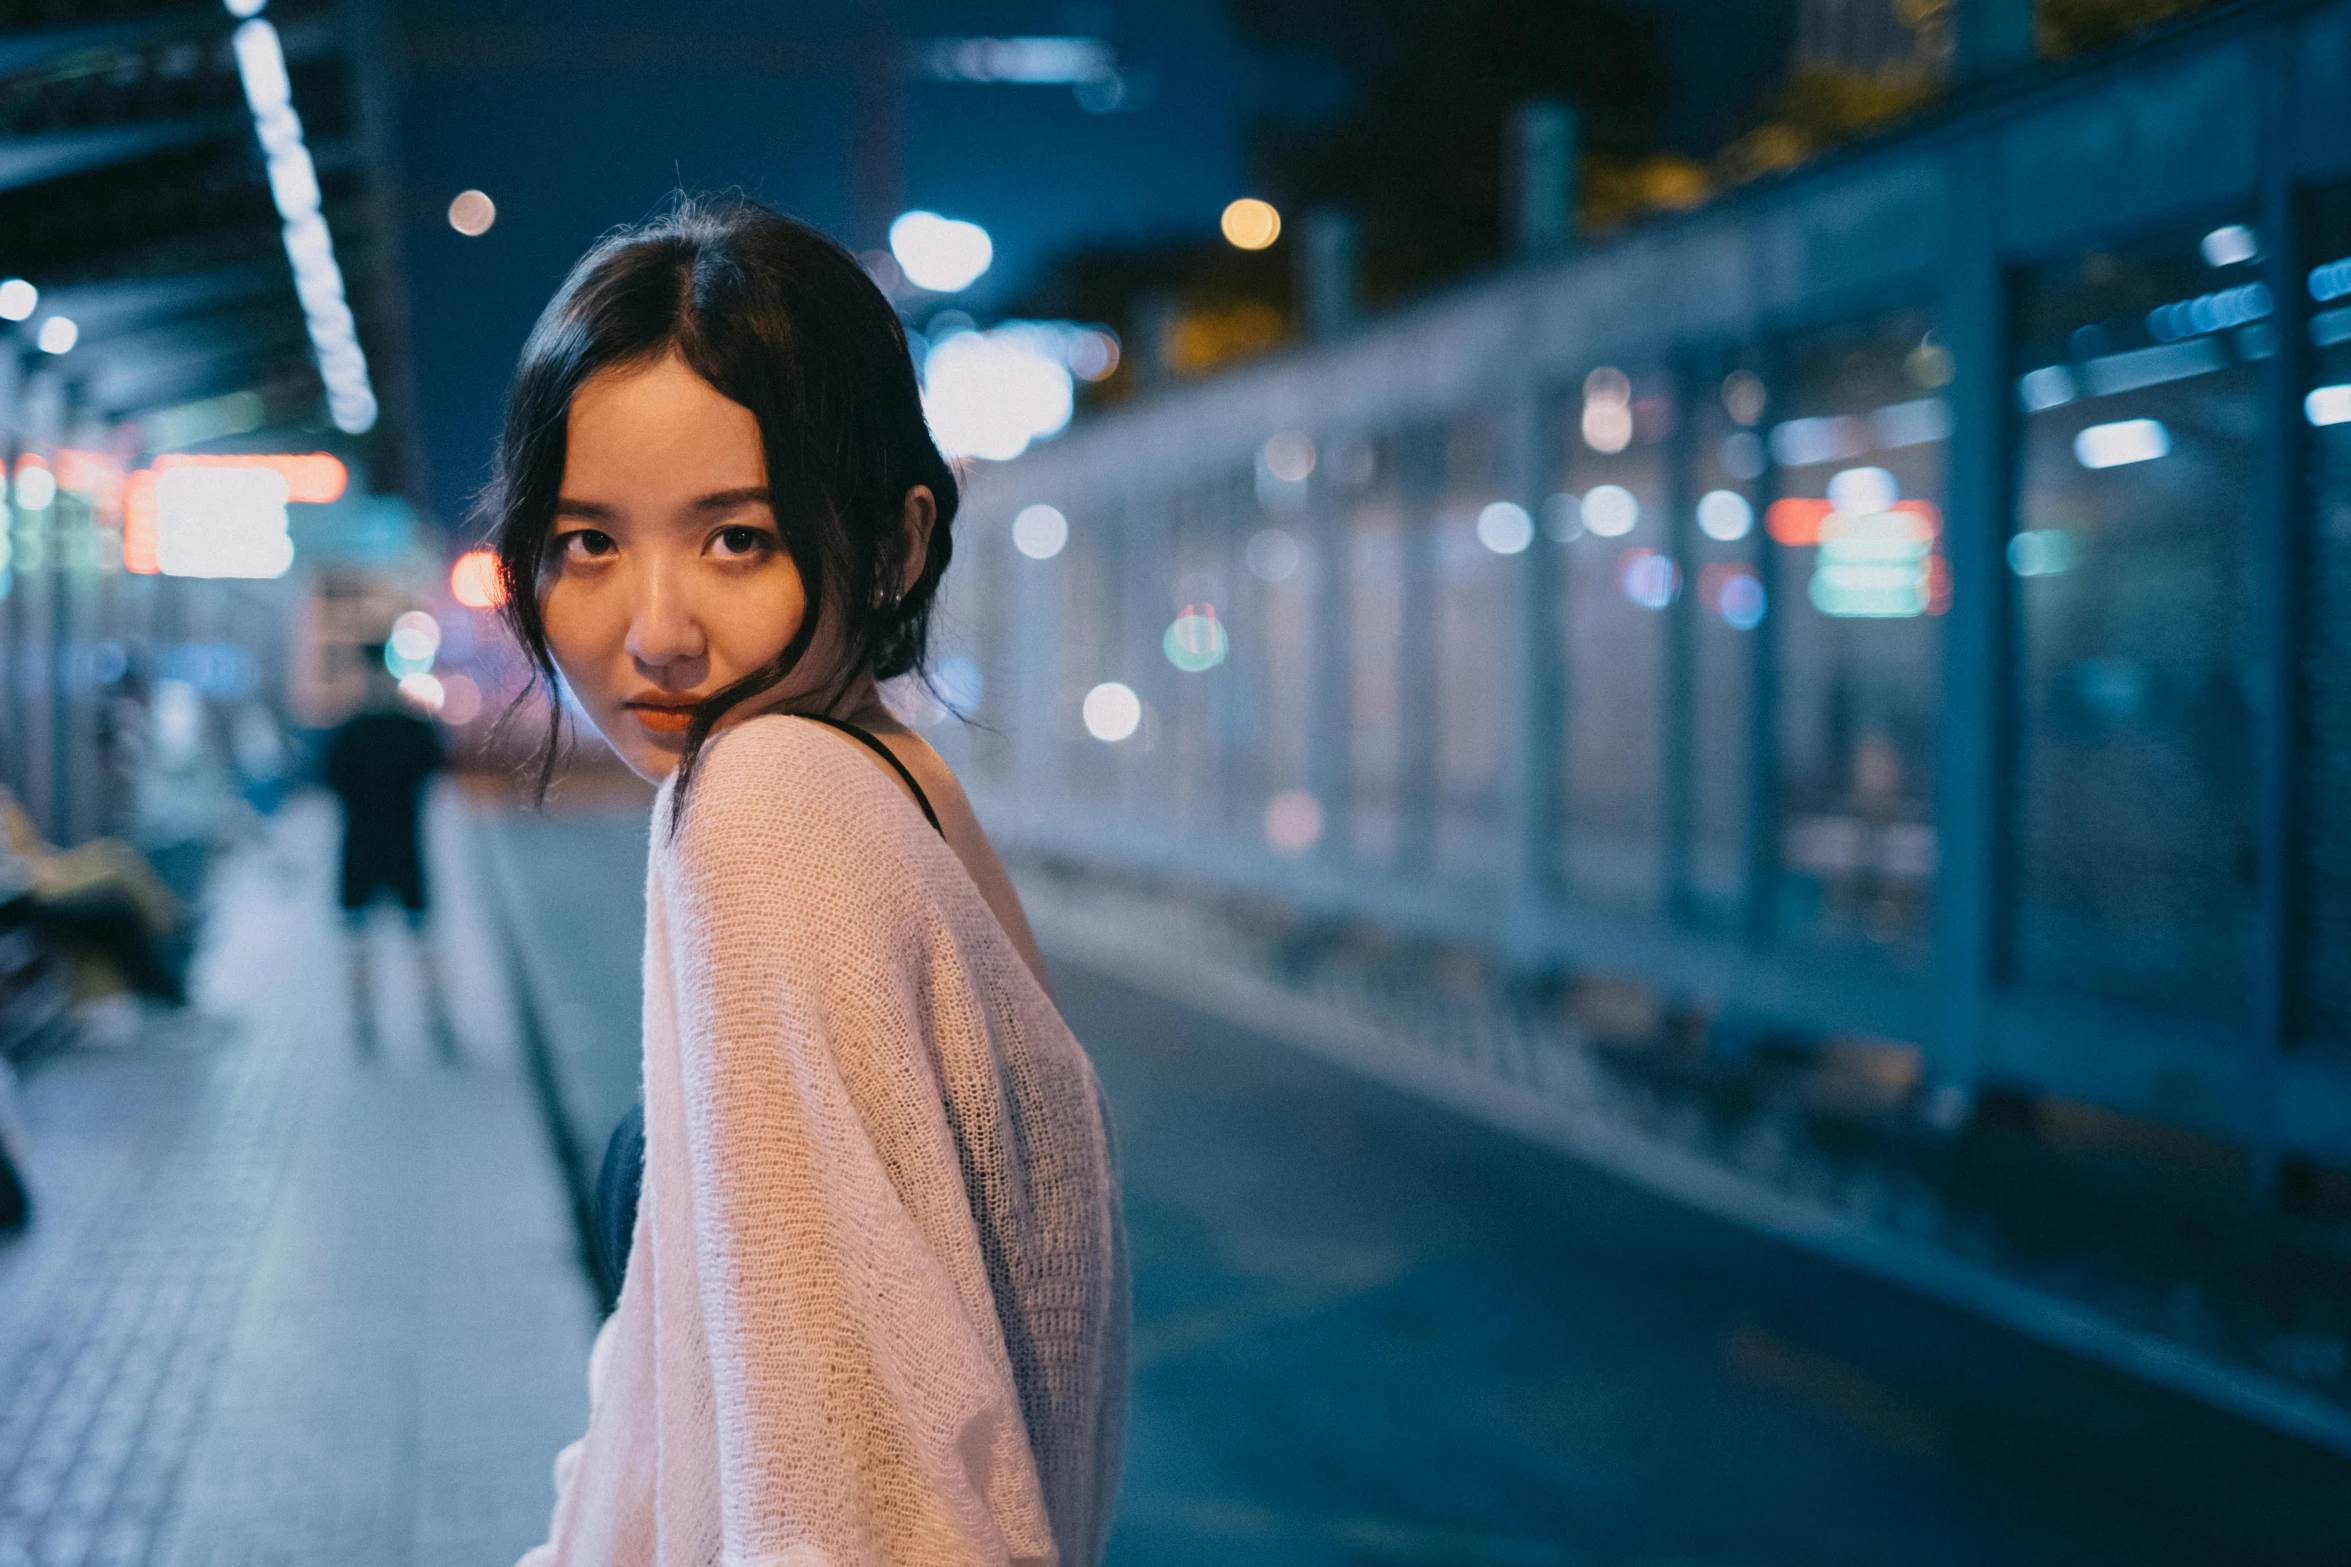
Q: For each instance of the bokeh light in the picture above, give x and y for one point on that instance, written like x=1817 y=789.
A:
x=472 y=213
x=989 y=394
x=58 y=334
x=1289 y=456
x=18 y=299
x=2125 y=441
x=461 y=700
x=1039 y=532
x=1112 y=712
x=1195 y=641
x=1293 y=822
x=1610 y=511
x=1725 y=515
x=36 y=486
x=1250 y=224
x=475 y=581
x=1505 y=528
x=1273 y=555
x=424 y=692
x=415 y=641
x=942 y=255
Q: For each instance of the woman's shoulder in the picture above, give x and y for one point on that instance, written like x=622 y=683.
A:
x=777 y=783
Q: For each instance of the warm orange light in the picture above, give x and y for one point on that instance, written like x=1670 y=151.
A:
x=141 y=539
x=1250 y=224
x=98 y=475
x=476 y=582
x=317 y=478
x=1795 y=520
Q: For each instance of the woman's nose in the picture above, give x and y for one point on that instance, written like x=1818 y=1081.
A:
x=663 y=629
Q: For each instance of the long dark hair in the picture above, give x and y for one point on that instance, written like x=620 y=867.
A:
x=782 y=320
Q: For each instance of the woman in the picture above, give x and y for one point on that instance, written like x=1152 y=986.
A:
x=875 y=1302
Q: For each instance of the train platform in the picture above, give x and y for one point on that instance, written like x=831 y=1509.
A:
x=282 y=1302
x=1382 y=1316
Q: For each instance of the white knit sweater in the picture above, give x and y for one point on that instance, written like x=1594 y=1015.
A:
x=876 y=1304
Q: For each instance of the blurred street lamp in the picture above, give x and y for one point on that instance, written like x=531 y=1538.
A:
x=1250 y=224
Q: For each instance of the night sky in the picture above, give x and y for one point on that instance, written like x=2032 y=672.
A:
x=759 y=98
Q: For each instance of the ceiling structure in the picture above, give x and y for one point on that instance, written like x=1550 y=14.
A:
x=136 y=195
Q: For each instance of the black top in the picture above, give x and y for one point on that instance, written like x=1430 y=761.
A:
x=887 y=755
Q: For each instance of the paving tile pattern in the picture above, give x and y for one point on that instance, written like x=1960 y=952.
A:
x=283 y=1303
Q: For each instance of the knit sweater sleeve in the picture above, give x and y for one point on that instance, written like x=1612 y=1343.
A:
x=865 y=1408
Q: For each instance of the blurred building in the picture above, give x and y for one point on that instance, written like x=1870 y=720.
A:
x=1907 y=597
x=203 y=409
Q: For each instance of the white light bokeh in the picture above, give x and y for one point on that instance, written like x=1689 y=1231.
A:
x=1289 y=456
x=1505 y=528
x=1725 y=515
x=1862 y=492
x=58 y=334
x=18 y=299
x=1610 y=511
x=1039 y=532
x=2126 y=441
x=2225 y=247
x=1112 y=712
x=424 y=693
x=416 y=639
x=310 y=248
x=2328 y=405
x=942 y=255
x=989 y=394
x=222 y=522
x=35 y=488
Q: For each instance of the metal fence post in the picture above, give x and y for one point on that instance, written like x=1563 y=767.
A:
x=1971 y=779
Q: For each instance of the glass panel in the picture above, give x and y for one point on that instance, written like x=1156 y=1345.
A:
x=1190 y=644
x=2134 y=864
x=1611 y=519
x=1273 y=641
x=1375 y=641
x=1473 y=616
x=1085 y=654
x=1860 y=582
x=1727 y=459
x=2322 y=924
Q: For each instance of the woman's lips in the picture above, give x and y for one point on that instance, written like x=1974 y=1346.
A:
x=661 y=720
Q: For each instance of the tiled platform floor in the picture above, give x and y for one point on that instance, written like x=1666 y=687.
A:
x=282 y=1303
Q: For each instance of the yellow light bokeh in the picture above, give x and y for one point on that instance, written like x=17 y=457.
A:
x=1250 y=224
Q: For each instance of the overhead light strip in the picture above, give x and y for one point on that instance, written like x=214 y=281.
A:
x=293 y=185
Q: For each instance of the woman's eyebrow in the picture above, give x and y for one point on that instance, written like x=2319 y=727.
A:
x=731 y=500
x=586 y=511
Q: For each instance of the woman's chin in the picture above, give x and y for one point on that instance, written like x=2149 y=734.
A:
x=651 y=754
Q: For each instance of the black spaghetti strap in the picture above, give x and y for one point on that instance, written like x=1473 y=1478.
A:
x=873 y=742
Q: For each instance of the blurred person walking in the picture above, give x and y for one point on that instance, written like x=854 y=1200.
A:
x=378 y=763
x=873 y=1304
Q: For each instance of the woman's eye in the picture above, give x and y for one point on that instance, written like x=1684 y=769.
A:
x=585 y=544
x=742 y=541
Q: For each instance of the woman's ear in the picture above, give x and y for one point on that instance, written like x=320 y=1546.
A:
x=914 y=538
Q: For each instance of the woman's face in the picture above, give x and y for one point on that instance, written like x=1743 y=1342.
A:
x=666 y=578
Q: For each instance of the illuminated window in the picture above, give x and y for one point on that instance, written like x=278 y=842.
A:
x=1858 y=583
x=1610 y=533
x=2133 y=861
x=2322 y=882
